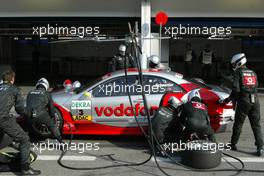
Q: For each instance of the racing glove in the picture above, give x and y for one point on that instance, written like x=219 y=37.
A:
x=226 y=100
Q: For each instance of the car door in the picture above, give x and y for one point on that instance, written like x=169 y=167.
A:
x=110 y=103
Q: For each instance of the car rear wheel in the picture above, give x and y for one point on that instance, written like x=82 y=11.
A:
x=43 y=131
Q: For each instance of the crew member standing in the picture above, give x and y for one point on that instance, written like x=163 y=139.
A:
x=2 y=69
x=119 y=61
x=244 y=92
x=40 y=104
x=11 y=96
x=207 y=57
x=189 y=58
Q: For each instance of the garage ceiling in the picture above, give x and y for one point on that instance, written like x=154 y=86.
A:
x=131 y=8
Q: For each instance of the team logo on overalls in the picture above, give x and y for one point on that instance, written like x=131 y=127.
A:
x=249 y=79
x=197 y=105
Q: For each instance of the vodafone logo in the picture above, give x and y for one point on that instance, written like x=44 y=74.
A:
x=199 y=105
x=121 y=110
x=249 y=80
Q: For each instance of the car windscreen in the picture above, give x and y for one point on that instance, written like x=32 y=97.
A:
x=87 y=85
x=200 y=84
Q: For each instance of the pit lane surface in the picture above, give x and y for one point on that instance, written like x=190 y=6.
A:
x=134 y=149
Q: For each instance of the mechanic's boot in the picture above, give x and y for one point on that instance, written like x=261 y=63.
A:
x=30 y=171
x=260 y=151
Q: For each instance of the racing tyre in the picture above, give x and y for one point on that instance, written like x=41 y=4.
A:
x=198 y=156
x=42 y=131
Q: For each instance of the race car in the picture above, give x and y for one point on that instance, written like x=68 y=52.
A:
x=102 y=107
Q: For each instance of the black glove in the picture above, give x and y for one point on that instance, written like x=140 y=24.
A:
x=226 y=100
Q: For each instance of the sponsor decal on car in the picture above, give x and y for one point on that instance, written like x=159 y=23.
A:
x=87 y=94
x=121 y=110
x=83 y=104
x=82 y=117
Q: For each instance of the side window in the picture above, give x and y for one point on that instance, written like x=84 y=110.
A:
x=115 y=87
x=159 y=85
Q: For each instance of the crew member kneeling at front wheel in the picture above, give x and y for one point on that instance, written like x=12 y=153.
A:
x=195 y=119
x=40 y=103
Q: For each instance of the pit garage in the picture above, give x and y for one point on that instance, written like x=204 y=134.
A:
x=247 y=37
x=57 y=57
x=60 y=56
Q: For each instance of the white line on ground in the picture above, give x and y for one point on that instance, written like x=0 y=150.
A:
x=224 y=159
x=65 y=158
x=160 y=159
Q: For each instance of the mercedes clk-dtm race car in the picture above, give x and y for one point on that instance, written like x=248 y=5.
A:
x=102 y=107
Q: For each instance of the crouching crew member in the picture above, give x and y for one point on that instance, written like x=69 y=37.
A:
x=195 y=119
x=10 y=96
x=244 y=93
x=40 y=104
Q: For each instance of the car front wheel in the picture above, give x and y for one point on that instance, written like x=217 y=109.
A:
x=42 y=131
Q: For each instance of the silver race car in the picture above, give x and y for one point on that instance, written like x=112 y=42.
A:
x=102 y=107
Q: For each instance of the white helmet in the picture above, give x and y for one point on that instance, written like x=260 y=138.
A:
x=238 y=60
x=44 y=82
x=154 y=61
x=194 y=93
x=76 y=84
x=122 y=49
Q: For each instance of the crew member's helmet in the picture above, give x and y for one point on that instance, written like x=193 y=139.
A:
x=76 y=84
x=238 y=60
x=173 y=102
x=154 y=61
x=194 y=95
x=122 y=49
x=43 y=82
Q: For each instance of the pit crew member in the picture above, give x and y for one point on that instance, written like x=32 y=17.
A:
x=189 y=59
x=194 y=117
x=207 y=58
x=118 y=62
x=40 y=103
x=244 y=92
x=10 y=96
